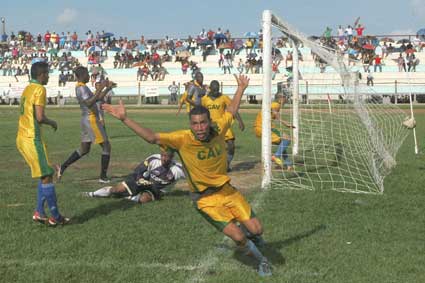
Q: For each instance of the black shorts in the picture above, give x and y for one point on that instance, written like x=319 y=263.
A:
x=135 y=186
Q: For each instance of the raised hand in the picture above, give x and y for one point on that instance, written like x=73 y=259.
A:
x=117 y=111
x=242 y=80
x=110 y=84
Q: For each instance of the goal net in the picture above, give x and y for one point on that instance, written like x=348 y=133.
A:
x=345 y=135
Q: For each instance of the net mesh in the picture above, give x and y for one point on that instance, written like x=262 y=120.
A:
x=348 y=135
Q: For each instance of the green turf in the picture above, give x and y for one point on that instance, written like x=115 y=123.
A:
x=313 y=236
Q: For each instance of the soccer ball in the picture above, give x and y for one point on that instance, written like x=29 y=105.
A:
x=409 y=122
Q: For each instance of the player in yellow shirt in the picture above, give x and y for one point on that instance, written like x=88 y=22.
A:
x=202 y=152
x=216 y=104
x=32 y=147
x=280 y=139
x=183 y=101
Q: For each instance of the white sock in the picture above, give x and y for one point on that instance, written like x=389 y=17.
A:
x=135 y=198
x=103 y=192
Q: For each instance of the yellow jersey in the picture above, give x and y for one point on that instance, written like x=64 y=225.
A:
x=275 y=106
x=33 y=94
x=205 y=163
x=216 y=106
x=183 y=100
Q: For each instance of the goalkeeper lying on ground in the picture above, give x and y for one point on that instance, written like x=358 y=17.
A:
x=148 y=181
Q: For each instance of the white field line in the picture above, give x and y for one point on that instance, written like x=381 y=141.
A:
x=212 y=257
x=9 y=205
x=100 y=264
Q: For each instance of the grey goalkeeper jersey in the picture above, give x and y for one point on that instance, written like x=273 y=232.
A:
x=92 y=130
x=83 y=92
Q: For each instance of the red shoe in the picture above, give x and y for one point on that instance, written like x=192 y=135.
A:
x=61 y=221
x=36 y=217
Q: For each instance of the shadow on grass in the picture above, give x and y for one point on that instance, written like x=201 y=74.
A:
x=245 y=165
x=121 y=137
x=272 y=250
x=101 y=210
x=177 y=193
x=106 y=208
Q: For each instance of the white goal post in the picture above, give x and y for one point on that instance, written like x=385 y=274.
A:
x=348 y=142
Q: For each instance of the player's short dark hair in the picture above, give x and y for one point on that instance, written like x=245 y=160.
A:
x=79 y=71
x=197 y=74
x=215 y=88
x=199 y=110
x=39 y=68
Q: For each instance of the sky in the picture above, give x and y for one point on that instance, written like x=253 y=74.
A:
x=178 y=19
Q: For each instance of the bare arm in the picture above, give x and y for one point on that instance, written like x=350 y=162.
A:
x=99 y=94
x=243 y=82
x=190 y=101
x=180 y=108
x=189 y=97
x=286 y=123
x=181 y=102
x=240 y=121
x=42 y=119
x=119 y=112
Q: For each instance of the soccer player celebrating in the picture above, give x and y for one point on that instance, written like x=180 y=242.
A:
x=216 y=104
x=92 y=128
x=148 y=182
x=201 y=150
x=282 y=140
x=30 y=143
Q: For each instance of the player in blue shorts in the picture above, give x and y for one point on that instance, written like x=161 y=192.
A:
x=31 y=144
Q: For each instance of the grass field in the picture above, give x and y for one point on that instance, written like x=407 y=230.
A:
x=313 y=236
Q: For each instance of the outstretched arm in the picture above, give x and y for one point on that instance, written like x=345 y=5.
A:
x=243 y=82
x=119 y=112
x=286 y=123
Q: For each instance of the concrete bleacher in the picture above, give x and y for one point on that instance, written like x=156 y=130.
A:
x=313 y=82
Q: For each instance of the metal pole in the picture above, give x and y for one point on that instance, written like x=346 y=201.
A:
x=295 y=98
x=3 y=34
x=178 y=95
x=266 y=150
x=395 y=92
x=139 y=93
x=306 y=92
x=3 y=25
